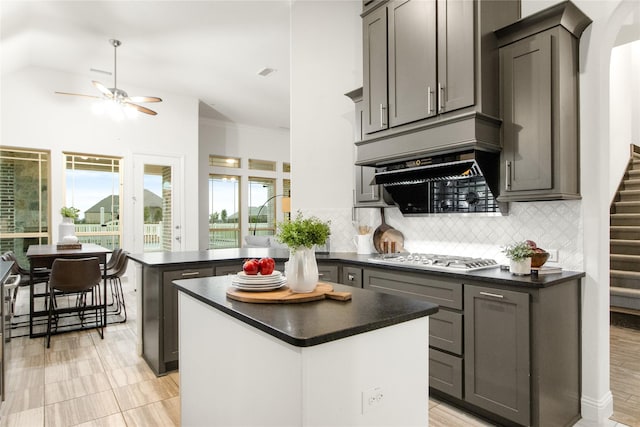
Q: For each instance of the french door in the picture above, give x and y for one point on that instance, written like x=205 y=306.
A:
x=157 y=204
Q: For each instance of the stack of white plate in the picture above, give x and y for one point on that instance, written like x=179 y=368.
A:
x=258 y=282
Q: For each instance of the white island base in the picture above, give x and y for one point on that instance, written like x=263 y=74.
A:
x=233 y=374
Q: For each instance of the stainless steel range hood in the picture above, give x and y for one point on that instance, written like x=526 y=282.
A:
x=458 y=182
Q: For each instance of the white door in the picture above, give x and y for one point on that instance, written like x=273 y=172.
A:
x=158 y=203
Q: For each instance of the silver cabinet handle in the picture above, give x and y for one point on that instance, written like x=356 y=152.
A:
x=489 y=294
x=440 y=97
x=382 y=114
x=507 y=180
x=351 y=277
x=193 y=273
x=429 y=96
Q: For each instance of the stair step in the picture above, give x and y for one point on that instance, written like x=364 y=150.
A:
x=625 y=298
x=625 y=219
x=624 y=247
x=629 y=195
x=624 y=279
x=631 y=184
x=627 y=207
x=633 y=173
x=625 y=262
x=625 y=232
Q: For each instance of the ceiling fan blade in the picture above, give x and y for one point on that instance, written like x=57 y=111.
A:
x=77 y=94
x=145 y=99
x=102 y=88
x=141 y=108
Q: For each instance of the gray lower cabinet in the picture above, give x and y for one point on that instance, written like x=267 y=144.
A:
x=328 y=272
x=496 y=340
x=539 y=105
x=160 y=315
x=509 y=353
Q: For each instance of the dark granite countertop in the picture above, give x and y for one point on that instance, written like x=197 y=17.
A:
x=493 y=276
x=311 y=323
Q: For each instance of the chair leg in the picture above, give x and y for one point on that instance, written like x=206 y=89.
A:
x=51 y=303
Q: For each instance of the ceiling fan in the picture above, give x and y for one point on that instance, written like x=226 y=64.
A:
x=115 y=94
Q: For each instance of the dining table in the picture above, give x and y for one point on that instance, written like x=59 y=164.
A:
x=42 y=257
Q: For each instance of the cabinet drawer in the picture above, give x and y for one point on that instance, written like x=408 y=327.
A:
x=446 y=293
x=445 y=373
x=328 y=273
x=352 y=276
x=445 y=331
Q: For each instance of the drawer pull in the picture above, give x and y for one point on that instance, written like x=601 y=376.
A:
x=351 y=277
x=489 y=294
x=193 y=273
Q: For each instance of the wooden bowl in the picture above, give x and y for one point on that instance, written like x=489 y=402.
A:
x=539 y=258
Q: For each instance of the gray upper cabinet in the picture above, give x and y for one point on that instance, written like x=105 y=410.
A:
x=496 y=331
x=375 y=74
x=539 y=105
x=456 y=70
x=412 y=61
x=430 y=77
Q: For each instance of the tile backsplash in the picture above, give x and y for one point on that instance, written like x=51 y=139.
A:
x=552 y=225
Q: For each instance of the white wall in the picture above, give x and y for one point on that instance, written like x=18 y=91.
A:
x=625 y=108
x=326 y=63
x=245 y=142
x=34 y=117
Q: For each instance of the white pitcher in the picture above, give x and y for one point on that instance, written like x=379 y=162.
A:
x=363 y=244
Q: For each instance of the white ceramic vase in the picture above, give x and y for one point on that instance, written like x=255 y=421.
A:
x=520 y=268
x=302 y=270
x=67 y=231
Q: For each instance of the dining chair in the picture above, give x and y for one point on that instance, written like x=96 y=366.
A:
x=80 y=277
x=111 y=264
x=114 y=275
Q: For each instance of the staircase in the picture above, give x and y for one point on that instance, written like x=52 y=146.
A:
x=625 y=240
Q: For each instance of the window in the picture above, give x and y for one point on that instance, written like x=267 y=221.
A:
x=224 y=211
x=286 y=167
x=262 y=165
x=223 y=161
x=286 y=190
x=262 y=206
x=94 y=185
x=24 y=200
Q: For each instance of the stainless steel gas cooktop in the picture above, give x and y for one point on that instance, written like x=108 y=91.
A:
x=436 y=262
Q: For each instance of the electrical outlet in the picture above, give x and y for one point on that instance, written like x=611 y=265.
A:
x=371 y=398
x=553 y=255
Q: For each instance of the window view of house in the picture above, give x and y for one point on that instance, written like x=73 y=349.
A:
x=157 y=208
x=24 y=200
x=93 y=184
x=224 y=211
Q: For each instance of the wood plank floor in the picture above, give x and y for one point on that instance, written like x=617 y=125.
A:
x=85 y=381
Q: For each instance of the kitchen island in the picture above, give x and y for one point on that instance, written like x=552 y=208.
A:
x=330 y=363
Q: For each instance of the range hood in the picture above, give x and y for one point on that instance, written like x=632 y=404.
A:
x=466 y=181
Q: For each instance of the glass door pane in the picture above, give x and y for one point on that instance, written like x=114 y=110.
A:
x=224 y=211
x=157 y=206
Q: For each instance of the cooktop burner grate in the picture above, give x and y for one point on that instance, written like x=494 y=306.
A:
x=438 y=262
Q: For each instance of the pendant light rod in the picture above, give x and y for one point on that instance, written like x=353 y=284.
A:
x=115 y=43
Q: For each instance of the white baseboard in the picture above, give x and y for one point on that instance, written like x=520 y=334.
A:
x=596 y=413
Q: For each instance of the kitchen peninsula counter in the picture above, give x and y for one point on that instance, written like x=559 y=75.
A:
x=328 y=358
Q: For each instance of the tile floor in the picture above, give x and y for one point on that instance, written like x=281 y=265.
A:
x=85 y=381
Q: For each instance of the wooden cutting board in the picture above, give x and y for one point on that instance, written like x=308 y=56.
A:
x=285 y=295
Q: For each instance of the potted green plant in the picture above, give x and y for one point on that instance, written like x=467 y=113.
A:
x=69 y=212
x=67 y=230
x=301 y=235
x=519 y=254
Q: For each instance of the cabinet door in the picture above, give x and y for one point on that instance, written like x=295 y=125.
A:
x=365 y=192
x=496 y=342
x=526 y=111
x=328 y=272
x=456 y=57
x=412 y=60
x=170 y=309
x=374 y=93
